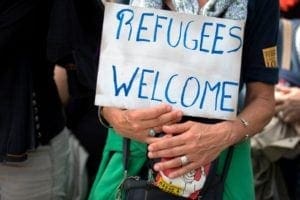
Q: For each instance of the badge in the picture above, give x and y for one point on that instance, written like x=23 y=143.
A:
x=270 y=57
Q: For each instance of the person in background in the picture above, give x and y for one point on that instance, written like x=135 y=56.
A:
x=194 y=142
x=287 y=93
x=73 y=44
x=275 y=150
x=39 y=158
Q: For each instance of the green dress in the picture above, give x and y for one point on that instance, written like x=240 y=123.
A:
x=238 y=186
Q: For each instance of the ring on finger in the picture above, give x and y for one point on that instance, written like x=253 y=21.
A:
x=184 y=160
x=151 y=132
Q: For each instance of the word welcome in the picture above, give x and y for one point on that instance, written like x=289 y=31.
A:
x=202 y=91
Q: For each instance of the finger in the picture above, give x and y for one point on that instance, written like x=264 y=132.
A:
x=133 y=123
x=167 y=164
x=175 y=129
x=168 y=152
x=164 y=119
x=180 y=171
x=155 y=139
x=150 y=140
x=166 y=143
x=282 y=88
x=177 y=119
x=149 y=113
x=145 y=137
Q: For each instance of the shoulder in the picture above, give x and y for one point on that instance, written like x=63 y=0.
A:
x=258 y=8
x=261 y=32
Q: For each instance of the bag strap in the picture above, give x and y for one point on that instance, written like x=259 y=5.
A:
x=227 y=164
x=126 y=154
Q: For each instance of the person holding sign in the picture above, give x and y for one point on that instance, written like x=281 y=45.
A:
x=179 y=74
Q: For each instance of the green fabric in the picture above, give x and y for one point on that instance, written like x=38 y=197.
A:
x=238 y=186
x=239 y=183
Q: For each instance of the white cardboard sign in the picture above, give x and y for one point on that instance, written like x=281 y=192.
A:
x=150 y=56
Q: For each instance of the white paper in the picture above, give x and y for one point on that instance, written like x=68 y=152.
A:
x=150 y=56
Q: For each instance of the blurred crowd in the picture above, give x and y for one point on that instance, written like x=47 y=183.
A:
x=276 y=150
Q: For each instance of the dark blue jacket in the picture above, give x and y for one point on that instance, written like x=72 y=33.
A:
x=30 y=109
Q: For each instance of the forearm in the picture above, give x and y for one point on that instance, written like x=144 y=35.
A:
x=259 y=109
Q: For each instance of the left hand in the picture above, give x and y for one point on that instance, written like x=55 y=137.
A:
x=288 y=104
x=200 y=142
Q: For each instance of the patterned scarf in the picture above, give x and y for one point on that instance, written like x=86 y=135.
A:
x=230 y=9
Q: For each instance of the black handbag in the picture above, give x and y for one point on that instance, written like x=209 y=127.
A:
x=140 y=188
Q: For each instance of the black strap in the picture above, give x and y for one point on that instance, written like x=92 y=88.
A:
x=227 y=163
x=126 y=153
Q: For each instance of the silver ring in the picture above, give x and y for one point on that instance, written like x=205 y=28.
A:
x=184 y=160
x=151 y=132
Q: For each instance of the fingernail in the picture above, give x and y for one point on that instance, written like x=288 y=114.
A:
x=169 y=108
x=150 y=154
x=156 y=167
x=179 y=114
x=150 y=148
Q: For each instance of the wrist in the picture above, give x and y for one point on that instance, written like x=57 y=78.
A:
x=101 y=118
x=240 y=130
x=227 y=133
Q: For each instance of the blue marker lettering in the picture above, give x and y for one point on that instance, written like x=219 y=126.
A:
x=185 y=38
x=123 y=85
x=158 y=25
x=215 y=87
x=236 y=37
x=203 y=35
x=120 y=16
x=170 y=31
x=184 y=89
x=141 y=27
x=168 y=88
x=217 y=37
x=154 y=88
x=226 y=96
x=142 y=83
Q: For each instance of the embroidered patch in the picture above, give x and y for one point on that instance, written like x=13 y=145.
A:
x=270 y=57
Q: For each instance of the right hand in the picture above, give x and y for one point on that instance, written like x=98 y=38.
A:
x=136 y=123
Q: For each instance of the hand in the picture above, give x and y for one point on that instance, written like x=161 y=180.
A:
x=201 y=143
x=288 y=104
x=136 y=123
x=280 y=93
